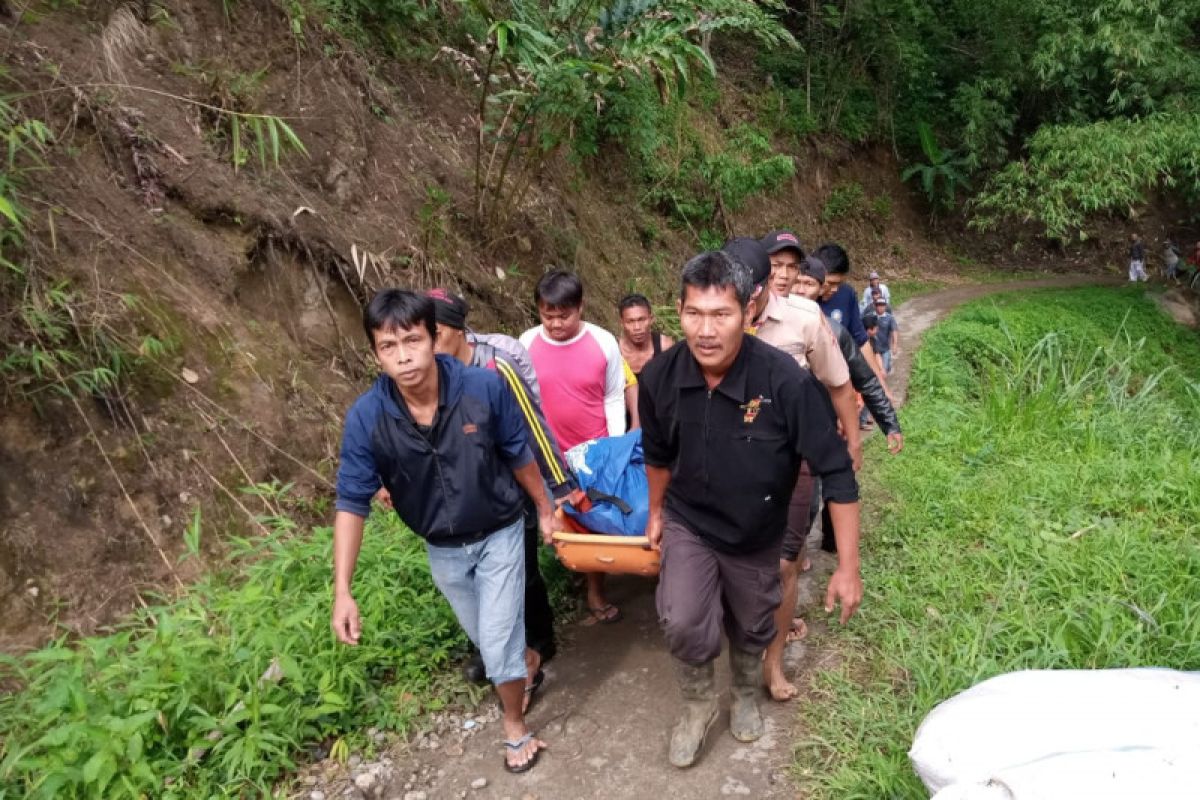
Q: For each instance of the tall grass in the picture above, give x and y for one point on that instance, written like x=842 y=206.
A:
x=215 y=694
x=1044 y=515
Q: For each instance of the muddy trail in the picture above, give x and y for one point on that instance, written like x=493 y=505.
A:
x=610 y=696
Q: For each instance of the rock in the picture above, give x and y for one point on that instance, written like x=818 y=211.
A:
x=366 y=781
x=469 y=724
x=33 y=591
x=415 y=795
x=310 y=780
x=354 y=761
x=189 y=375
x=479 y=783
x=316 y=794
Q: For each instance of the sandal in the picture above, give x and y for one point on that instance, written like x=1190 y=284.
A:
x=531 y=690
x=606 y=614
x=517 y=745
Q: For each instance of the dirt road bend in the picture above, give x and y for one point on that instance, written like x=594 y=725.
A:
x=610 y=697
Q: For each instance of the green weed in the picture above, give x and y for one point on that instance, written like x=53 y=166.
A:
x=216 y=693
x=1043 y=516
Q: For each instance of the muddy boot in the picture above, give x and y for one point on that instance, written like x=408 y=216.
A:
x=745 y=720
x=696 y=685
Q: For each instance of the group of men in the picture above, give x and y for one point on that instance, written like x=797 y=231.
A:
x=463 y=435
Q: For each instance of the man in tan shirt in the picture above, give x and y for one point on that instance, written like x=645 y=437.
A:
x=798 y=327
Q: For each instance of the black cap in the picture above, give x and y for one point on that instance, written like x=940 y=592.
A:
x=814 y=268
x=750 y=254
x=449 y=308
x=775 y=241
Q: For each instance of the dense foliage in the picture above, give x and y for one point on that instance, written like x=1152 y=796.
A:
x=1046 y=520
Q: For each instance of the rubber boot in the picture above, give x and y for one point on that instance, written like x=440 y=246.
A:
x=697 y=686
x=745 y=720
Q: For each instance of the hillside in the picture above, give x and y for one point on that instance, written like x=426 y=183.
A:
x=181 y=316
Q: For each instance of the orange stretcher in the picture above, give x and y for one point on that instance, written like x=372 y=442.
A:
x=580 y=550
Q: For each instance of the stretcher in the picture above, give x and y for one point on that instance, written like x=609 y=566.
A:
x=580 y=550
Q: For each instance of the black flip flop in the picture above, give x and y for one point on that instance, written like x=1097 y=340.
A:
x=517 y=745
x=531 y=689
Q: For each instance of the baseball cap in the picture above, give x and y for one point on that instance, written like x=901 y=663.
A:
x=874 y=276
x=814 y=268
x=775 y=241
x=448 y=308
x=750 y=254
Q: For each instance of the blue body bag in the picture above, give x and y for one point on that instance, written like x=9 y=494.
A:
x=612 y=474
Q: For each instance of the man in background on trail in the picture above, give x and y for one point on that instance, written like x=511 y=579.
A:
x=886 y=341
x=785 y=252
x=874 y=291
x=726 y=421
x=583 y=384
x=494 y=352
x=1137 y=259
x=796 y=326
x=639 y=341
x=451 y=447
x=838 y=299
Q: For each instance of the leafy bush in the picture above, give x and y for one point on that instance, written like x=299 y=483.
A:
x=845 y=200
x=1047 y=520
x=129 y=714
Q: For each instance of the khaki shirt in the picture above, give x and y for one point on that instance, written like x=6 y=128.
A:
x=798 y=327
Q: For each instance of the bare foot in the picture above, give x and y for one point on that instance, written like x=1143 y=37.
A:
x=777 y=684
x=799 y=630
x=805 y=564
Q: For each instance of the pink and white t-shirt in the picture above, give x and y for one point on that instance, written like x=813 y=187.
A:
x=583 y=383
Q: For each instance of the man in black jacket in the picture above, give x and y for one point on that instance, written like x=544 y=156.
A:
x=726 y=421
x=450 y=446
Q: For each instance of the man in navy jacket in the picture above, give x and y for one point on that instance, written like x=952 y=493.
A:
x=449 y=444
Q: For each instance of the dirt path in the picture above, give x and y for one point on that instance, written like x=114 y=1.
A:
x=610 y=697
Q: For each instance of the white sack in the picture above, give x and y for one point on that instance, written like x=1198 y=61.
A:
x=1065 y=733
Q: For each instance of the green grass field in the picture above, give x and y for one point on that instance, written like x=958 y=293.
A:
x=1044 y=514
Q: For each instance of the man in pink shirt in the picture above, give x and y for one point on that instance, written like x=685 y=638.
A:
x=582 y=377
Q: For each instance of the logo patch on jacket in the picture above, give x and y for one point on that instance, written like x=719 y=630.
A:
x=750 y=410
x=470 y=428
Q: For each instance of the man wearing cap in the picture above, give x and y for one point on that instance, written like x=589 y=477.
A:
x=874 y=291
x=726 y=421
x=886 y=340
x=495 y=352
x=785 y=252
x=796 y=326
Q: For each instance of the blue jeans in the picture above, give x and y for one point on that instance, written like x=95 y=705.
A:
x=484 y=583
x=886 y=357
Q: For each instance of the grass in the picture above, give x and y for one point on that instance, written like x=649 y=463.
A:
x=1044 y=515
x=242 y=666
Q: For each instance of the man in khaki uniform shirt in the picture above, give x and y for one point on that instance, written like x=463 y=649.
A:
x=798 y=327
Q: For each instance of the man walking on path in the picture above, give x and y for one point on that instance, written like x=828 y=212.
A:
x=639 y=341
x=886 y=341
x=726 y=421
x=1137 y=259
x=582 y=376
x=796 y=326
x=874 y=291
x=475 y=350
x=785 y=252
x=450 y=446
x=838 y=300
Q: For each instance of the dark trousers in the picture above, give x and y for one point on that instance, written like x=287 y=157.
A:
x=799 y=522
x=702 y=590
x=539 y=616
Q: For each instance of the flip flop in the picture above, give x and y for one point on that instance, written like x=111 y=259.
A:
x=517 y=745
x=600 y=615
x=531 y=690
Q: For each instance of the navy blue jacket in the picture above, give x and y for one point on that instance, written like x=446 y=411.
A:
x=843 y=307
x=457 y=485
